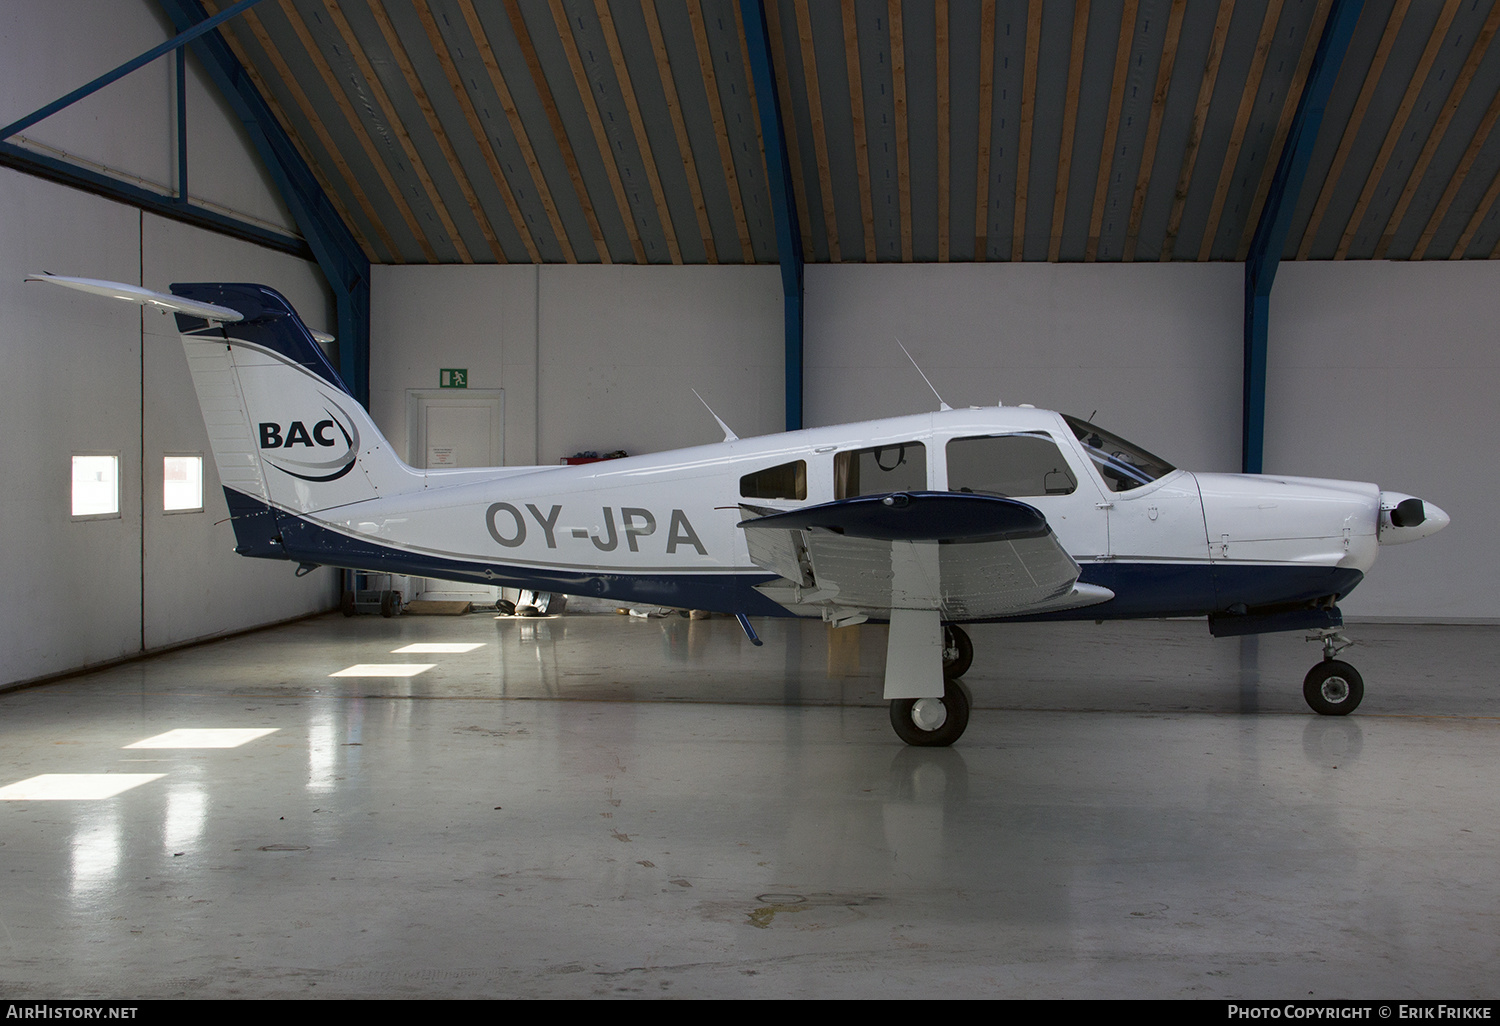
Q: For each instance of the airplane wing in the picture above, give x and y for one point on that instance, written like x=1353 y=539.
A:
x=965 y=556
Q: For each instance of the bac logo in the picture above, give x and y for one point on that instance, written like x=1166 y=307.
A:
x=326 y=452
x=296 y=434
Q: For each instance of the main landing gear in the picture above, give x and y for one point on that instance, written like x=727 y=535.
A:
x=1333 y=687
x=938 y=722
x=933 y=722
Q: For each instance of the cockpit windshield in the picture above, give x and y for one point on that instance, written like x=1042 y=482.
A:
x=1122 y=465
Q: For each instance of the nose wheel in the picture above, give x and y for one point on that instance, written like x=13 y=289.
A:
x=1333 y=687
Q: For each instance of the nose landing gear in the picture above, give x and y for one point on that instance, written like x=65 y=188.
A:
x=1333 y=687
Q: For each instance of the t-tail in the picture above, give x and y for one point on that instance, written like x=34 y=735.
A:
x=287 y=434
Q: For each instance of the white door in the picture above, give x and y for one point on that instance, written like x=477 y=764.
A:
x=455 y=428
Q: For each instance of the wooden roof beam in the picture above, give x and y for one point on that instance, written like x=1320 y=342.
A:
x=289 y=80
x=1028 y=117
x=1435 y=136
x=1288 y=111
x=1153 y=125
x=944 y=131
x=819 y=130
x=398 y=127
x=1241 y=122
x=555 y=122
x=262 y=87
x=1195 y=129
x=903 y=138
x=596 y=126
x=1398 y=124
x=679 y=127
x=357 y=126
x=637 y=125
x=857 y=125
x=721 y=128
x=1351 y=126
x=1069 y=128
x=1111 y=127
x=512 y=115
x=785 y=116
x=424 y=102
x=1455 y=182
x=986 y=129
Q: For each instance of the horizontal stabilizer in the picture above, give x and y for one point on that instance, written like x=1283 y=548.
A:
x=144 y=297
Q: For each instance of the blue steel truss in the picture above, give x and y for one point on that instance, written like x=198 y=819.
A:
x=1276 y=220
x=328 y=239
x=783 y=201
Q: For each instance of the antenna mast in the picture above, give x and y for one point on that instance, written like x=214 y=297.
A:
x=941 y=405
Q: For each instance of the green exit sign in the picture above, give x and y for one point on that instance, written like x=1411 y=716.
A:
x=453 y=377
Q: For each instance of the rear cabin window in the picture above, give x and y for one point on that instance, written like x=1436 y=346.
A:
x=901 y=467
x=1009 y=465
x=787 y=481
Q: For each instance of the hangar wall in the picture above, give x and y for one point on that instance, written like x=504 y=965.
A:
x=1387 y=371
x=1379 y=371
x=81 y=374
x=591 y=357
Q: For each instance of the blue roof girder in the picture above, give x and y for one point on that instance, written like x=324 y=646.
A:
x=1264 y=256
x=338 y=255
x=783 y=200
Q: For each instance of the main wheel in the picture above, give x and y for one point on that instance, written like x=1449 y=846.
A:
x=346 y=604
x=1333 y=688
x=390 y=604
x=958 y=651
x=932 y=722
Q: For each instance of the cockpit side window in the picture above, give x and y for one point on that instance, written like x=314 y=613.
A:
x=785 y=481
x=1122 y=465
x=1026 y=464
x=899 y=467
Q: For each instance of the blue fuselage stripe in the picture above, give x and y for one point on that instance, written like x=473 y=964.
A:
x=1142 y=589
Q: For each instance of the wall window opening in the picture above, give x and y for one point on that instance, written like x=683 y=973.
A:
x=182 y=484
x=96 y=485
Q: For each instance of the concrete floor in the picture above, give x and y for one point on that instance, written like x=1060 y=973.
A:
x=597 y=805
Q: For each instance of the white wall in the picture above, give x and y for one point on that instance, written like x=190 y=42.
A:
x=128 y=128
x=83 y=374
x=1388 y=372
x=1154 y=348
x=1383 y=372
x=609 y=355
x=195 y=585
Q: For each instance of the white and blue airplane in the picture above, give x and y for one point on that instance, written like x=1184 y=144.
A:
x=925 y=522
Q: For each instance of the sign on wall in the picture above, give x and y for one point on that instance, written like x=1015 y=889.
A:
x=453 y=377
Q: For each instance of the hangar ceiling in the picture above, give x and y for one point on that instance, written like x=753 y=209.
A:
x=626 y=131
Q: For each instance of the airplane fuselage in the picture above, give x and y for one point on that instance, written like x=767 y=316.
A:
x=663 y=527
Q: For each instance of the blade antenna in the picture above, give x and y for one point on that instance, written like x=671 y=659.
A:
x=729 y=435
x=941 y=405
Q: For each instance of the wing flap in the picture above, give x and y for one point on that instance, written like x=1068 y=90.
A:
x=966 y=556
